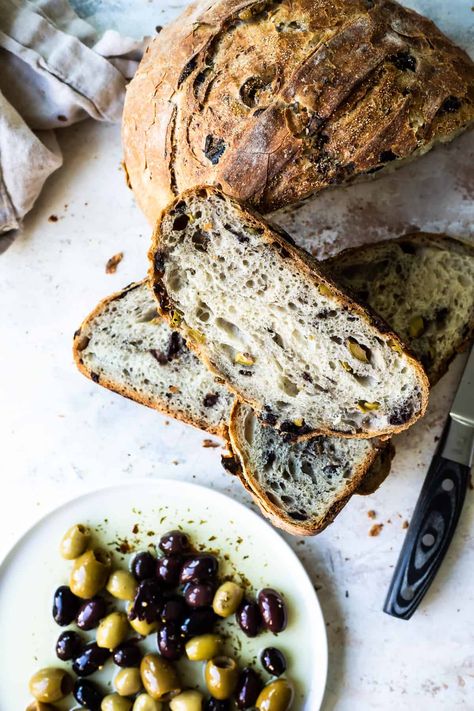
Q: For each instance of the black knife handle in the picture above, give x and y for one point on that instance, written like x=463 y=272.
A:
x=430 y=532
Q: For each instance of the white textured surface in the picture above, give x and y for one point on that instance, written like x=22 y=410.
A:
x=62 y=435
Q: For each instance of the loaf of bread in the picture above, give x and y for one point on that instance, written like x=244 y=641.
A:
x=127 y=347
x=269 y=320
x=421 y=280
x=277 y=99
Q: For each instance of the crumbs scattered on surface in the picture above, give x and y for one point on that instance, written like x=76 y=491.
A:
x=371 y=513
x=53 y=218
x=376 y=529
x=135 y=529
x=158 y=29
x=113 y=262
x=206 y=443
x=405 y=524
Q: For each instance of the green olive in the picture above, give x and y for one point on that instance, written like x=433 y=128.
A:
x=187 y=701
x=203 y=647
x=221 y=675
x=142 y=627
x=112 y=630
x=114 y=702
x=159 y=677
x=122 y=585
x=128 y=681
x=74 y=542
x=146 y=703
x=50 y=684
x=89 y=573
x=276 y=696
x=227 y=599
x=38 y=706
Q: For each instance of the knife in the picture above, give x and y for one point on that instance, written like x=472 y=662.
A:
x=439 y=505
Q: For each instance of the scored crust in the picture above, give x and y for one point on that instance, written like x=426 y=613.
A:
x=275 y=100
x=313 y=272
x=161 y=405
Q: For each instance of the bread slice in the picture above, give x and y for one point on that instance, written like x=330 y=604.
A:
x=269 y=320
x=127 y=347
x=302 y=486
x=277 y=100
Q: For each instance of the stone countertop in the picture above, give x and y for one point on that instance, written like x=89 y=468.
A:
x=62 y=435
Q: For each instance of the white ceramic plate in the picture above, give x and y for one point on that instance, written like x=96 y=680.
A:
x=33 y=569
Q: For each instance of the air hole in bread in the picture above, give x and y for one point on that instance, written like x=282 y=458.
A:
x=147 y=316
x=180 y=222
x=230 y=329
x=200 y=240
x=288 y=386
x=175 y=282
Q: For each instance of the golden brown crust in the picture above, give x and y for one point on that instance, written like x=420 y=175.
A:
x=271 y=510
x=162 y=406
x=277 y=99
x=316 y=274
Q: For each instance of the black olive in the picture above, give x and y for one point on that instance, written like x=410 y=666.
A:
x=249 y=618
x=90 y=660
x=216 y=705
x=143 y=565
x=90 y=613
x=273 y=609
x=127 y=654
x=170 y=641
x=273 y=661
x=168 y=569
x=199 y=568
x=87 y=695
x=174 y=543
x=65 y=606
x=69 y=645
x=148 y=601
x=199 y=594
x=200 y=621
x=174 y=609
x=248 y=688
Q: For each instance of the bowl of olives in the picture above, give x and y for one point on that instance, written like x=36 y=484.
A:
x=174 y=612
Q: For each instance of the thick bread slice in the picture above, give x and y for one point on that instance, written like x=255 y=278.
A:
x=418 y=275
x=422 y=285
x=278 y=99
x=269 y=320
x=127 y=347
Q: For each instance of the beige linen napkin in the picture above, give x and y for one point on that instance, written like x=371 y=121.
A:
x=54 y=71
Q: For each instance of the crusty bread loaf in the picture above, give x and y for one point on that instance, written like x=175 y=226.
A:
x=270 y=321
x=127 y=347
x=278 y=99
x=302 y=486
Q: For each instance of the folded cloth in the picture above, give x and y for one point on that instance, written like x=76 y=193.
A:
x=54 y=71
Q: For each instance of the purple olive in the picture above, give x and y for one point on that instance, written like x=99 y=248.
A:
x=248 y=688
x=168 y=569
x=199 y=569
x=170 y=641
x=249 y=618
x=174 y=609
x=199 y=621
x=273 y=609
x=273 y=661
x=148 y=601
x=199 y=594
x=143 y=565
x=87 y=695
x=127 y=654
x=69 y=645
x=216 y=705
x=90 y=613
x=91 y=659
x=174 y=543
x=65 y=606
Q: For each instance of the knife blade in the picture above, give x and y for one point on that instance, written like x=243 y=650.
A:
x=439 y=505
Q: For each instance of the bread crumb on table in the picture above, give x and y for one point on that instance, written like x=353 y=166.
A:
x=210 y=443
x=405 y=524
x=371 y=513
x=376 y=529
x=113 y=262
x=53 y=218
